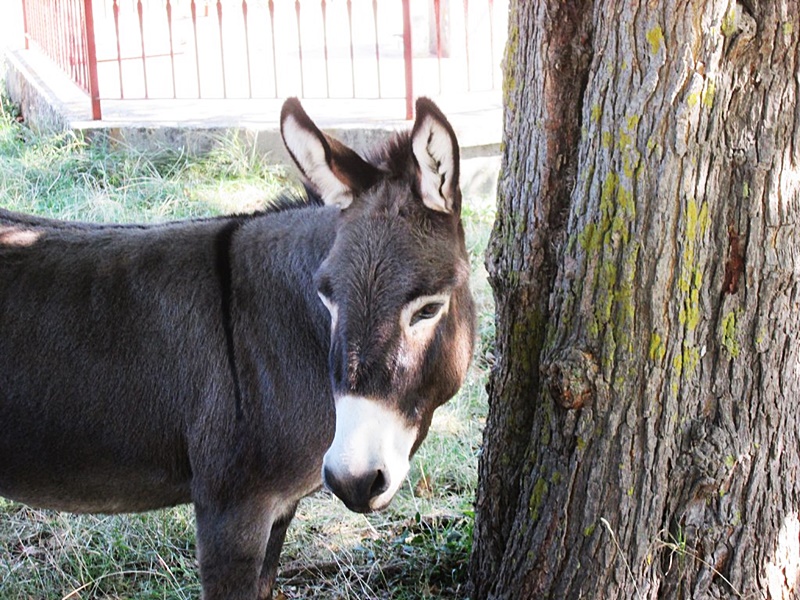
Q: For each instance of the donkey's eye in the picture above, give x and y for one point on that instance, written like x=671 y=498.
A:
x=429 y=311
x=424 y=308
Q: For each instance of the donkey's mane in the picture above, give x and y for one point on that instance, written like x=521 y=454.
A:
x=394 y=156
x=292 y=200
x=283 y=202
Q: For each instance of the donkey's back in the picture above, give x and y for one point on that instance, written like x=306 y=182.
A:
x=110 y=337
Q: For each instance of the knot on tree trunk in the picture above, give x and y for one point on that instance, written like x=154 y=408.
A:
x=570 y=378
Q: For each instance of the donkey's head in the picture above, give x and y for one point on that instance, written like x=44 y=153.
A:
x=396 y=285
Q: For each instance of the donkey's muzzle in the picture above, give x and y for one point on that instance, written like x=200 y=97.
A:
x=359 y=493
x=369 y=456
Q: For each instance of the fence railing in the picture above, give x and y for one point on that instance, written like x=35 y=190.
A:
x=165 y=49
x=63 y=31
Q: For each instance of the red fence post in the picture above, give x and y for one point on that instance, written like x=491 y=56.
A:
x=352 y=53
x=91 y=56
x=247 y=49
x=377 y=48
x=407 y=57
x=271 y=6
x=168 y=8
x=140 y=12
x=437 y=13
x=324 y=7
x=25 y=23
x=222 y=48
x=300 y=49
x=466 y=40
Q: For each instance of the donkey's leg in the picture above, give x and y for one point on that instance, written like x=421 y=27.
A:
x=269 y=569
x=231 y=543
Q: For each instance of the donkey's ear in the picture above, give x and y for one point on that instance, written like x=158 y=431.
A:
x=435 y=148
x=332 y=169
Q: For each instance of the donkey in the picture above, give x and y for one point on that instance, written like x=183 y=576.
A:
x=239 y=363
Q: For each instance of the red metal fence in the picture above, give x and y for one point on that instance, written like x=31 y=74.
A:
x=147 y=49
x=63 y=31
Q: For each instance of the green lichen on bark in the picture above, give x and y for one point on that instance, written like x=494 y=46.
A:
x=691 y=274
x=617 y=209
x=690 y=282
x=608 y=243
x=510 y=60
x=729 y=23
x=537 y=497
x=729 y=333
x=704 y=96
x=690 y=357
x=597 y=112
x=657 y=348
x=707 y=95
x=655 y=37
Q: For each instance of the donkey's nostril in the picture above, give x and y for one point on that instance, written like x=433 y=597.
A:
x=379 y=484
x=357 y=492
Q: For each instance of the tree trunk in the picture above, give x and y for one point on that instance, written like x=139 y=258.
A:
x=643 y=437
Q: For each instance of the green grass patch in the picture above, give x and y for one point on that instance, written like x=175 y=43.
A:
x=63 y=176
x=418 y=548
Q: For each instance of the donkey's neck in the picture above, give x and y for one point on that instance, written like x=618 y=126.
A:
x=279 y=253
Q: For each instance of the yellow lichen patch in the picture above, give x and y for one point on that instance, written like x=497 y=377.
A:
x=587 y=237
x=509 y=71
x=625 y=140
x=655 y=38
x=691 y=358
x=631 y=162
x=728 y=27
x=689 y=315
x=677 y=364
x=690 y=282
x=703 y=220
x=597 y=112
x=707 y=97
x=729 y=334
x=657 y=348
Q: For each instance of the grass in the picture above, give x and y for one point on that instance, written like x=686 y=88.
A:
x=418 y=548
x=62 y=176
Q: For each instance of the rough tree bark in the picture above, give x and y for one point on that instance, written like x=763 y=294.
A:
x=643 y=438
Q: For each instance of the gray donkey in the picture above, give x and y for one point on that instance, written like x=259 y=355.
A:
x=238 y=363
